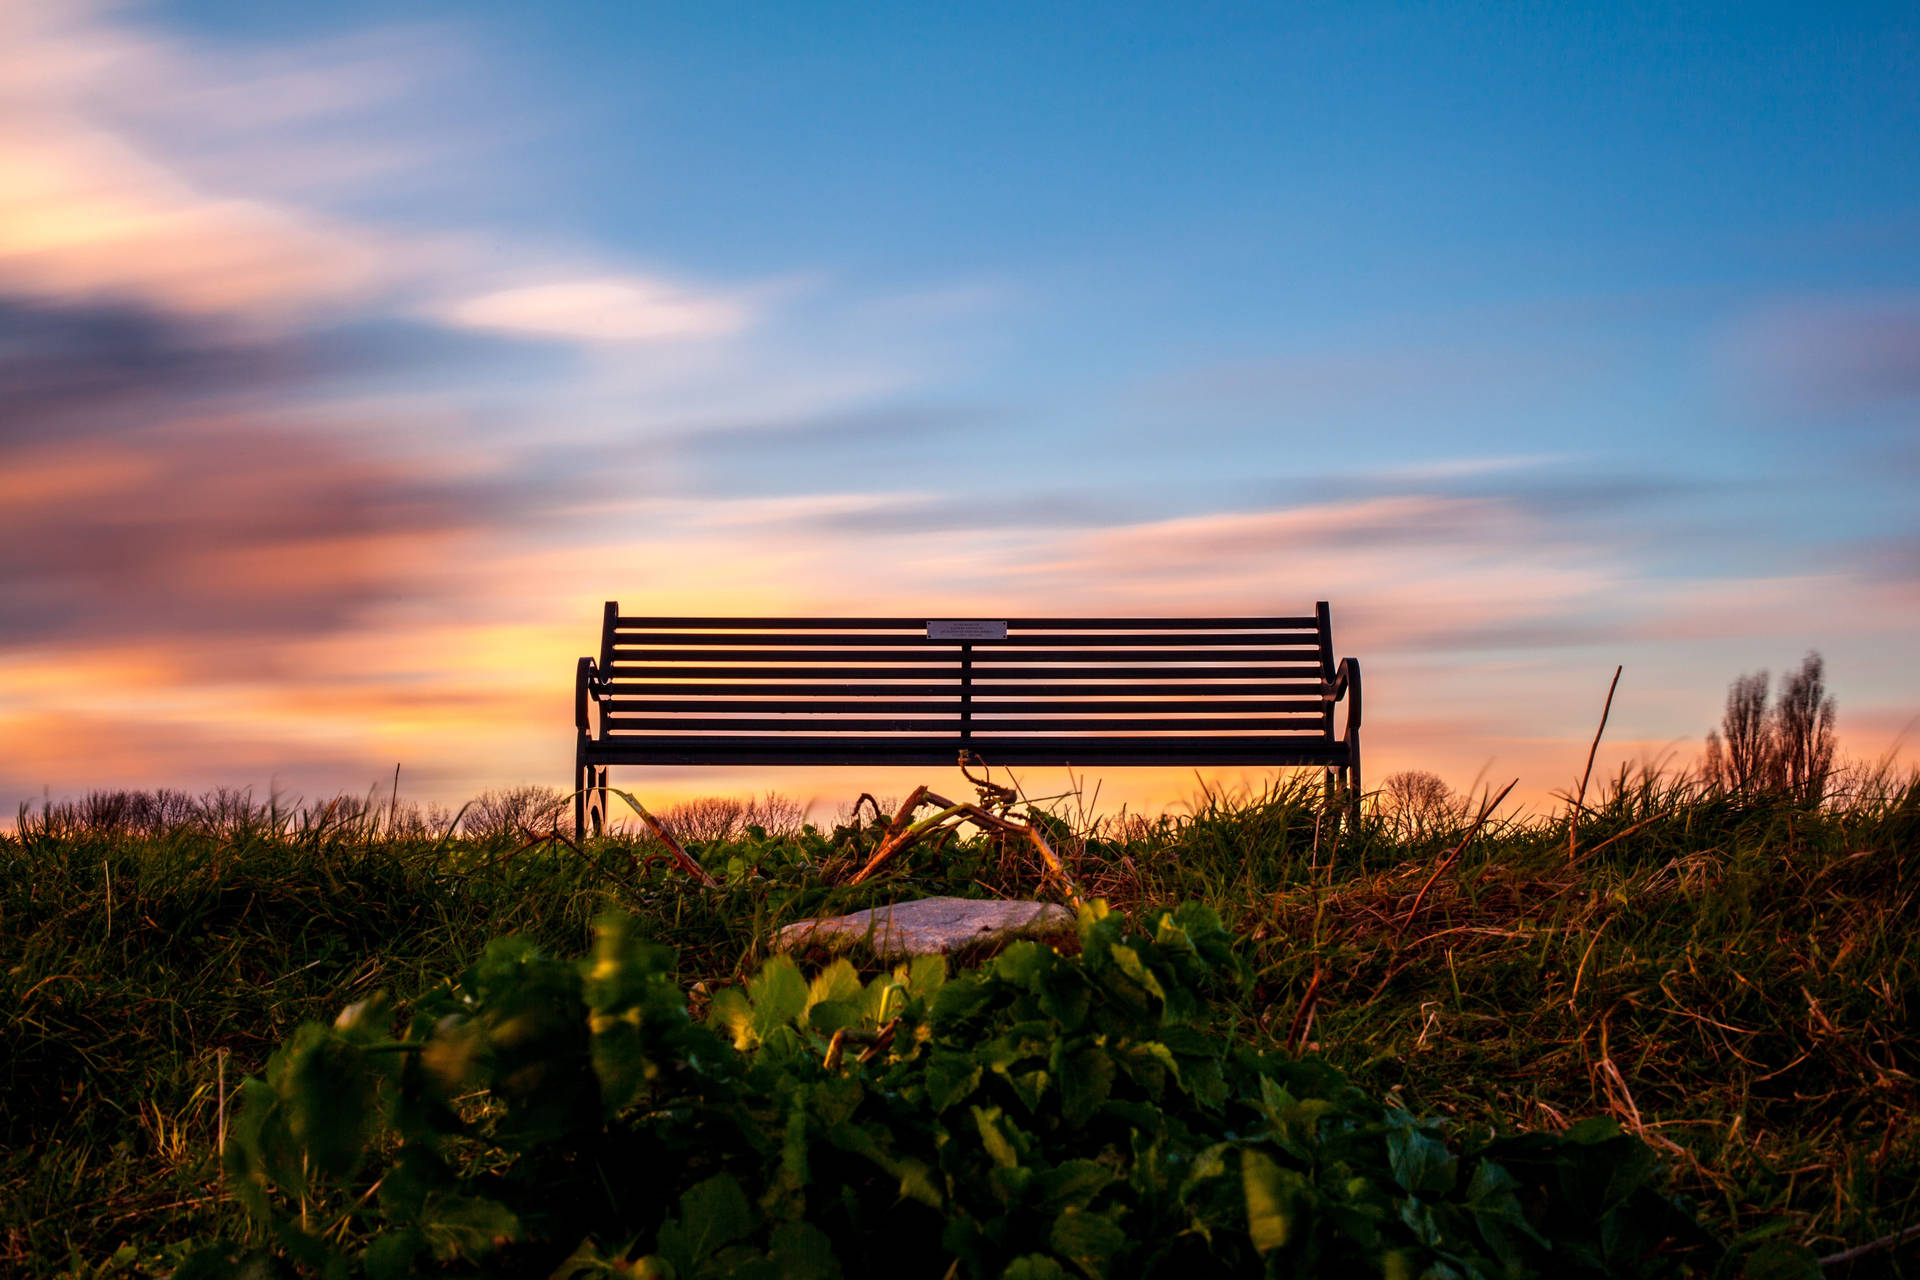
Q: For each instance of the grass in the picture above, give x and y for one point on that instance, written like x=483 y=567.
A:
x=1735 y=980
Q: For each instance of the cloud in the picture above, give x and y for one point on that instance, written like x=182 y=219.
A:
x=139 y=170
x=860 y=428
x=1828 y=353
x=613 y=309
x=1556 y=488
x=152 y=483
x=90 y=211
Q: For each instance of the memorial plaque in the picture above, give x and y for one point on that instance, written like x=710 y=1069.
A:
x=966 y=629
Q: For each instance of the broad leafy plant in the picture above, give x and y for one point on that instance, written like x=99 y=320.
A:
x=1046 y=1115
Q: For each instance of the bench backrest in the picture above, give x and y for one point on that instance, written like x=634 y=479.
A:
x=866 y=690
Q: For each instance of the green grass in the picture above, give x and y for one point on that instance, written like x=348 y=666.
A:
x=1735 y=981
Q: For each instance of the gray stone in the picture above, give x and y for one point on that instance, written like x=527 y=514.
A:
x=930 y=926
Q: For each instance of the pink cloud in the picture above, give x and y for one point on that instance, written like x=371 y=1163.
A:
x=615 y=309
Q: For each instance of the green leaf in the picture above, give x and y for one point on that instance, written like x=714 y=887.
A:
x=778 y=994
x=1023 y=964
x=1421 y=1163
x=463 y=1227
x=959 y=1000
x=925 y=975
x=1150 y=1065
x=1029 y=1086
x=839 y=981
x=713 y=1214
x=1073 y=1184
x=1033 y=1266
x=1085 y=1079
x=1127 y=960
x=1065 y=997
x=951 y=1078
x=730 y=1012
x=1089 y=1240
x=988 y=1121
x=1272 y=1200
x=917 y=1182
x=830 y=1016
x=391 y=1256
x=1493 y=1201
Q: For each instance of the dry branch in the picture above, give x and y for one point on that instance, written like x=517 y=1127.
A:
x=680 y=856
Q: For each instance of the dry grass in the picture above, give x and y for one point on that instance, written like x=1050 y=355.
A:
x=1735 y=980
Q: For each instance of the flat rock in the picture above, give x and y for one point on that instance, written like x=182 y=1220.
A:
x=930 y=926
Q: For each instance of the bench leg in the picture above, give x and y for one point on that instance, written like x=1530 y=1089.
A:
x=580 y=779
x=599 y=809
x=1353 y=779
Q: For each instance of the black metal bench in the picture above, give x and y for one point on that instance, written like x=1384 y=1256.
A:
x=1088 y=692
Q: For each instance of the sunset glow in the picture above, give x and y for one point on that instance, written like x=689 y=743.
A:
x=348 y=365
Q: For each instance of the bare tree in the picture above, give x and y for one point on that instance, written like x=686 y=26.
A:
x=728 y=817
x=704 y=818
x=508 y=811
x=1803 y=731
x=1420 y=803
x=1747 y=733
x=1713 y=770
x=776 y=814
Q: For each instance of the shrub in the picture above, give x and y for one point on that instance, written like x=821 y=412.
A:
x=511 y=811
x=1786 y=749
x=1045 y=1115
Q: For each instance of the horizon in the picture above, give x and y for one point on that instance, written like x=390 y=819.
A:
x=348 y=365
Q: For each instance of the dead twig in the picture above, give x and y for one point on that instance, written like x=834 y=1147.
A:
x=881 y=1043
x=680 y=856
x=903 y=832
x=991 y=793
x=1052 y=859
x=1888 y=1241
x=1303 y=1016
x=893 y=844
x=1579 y=803
x=835 y=1048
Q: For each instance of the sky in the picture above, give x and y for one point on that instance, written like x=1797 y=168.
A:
x=352 y=355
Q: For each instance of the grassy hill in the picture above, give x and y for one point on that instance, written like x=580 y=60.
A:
x=1734 y=980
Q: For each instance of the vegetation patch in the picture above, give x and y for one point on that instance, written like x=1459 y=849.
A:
x=1726 y=976
x=1043 y=1116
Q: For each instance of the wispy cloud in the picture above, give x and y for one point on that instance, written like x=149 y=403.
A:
x=1827 y=353
x=615 y=309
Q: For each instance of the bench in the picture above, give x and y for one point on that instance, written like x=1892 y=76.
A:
x=1086 y=692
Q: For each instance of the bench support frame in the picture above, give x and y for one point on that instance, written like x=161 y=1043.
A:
x=599 y=745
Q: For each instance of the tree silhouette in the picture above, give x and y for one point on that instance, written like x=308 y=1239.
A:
x=1803 y=731
x=1420 y=803
x=1787 y=748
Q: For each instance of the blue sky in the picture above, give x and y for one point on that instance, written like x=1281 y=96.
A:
x=1538 y=340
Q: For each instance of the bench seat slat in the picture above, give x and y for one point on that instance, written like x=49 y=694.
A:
x=982 y=655
x=627 y=707
x=626 y=623
x=951 y=648
x=624 y=689
x=623 y=671
x=1253 y=749
x=950 y=724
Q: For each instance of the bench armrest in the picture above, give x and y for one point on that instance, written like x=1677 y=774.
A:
x=588 y=689
x=1346 y=684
